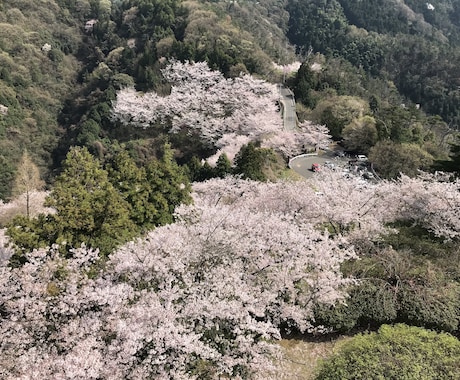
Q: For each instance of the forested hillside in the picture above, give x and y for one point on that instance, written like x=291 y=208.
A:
x=63 y=61
x=409 y=43
x=151 y=226
x=39 y=69
x=399 y=58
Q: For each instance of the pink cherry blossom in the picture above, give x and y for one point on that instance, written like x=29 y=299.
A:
x=204 y=101
x=213 y=289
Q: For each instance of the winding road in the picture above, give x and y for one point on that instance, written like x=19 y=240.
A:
x=289 y=111
x=302 y=164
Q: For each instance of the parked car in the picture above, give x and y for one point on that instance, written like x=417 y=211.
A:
x=361 y=157
x=315 y=167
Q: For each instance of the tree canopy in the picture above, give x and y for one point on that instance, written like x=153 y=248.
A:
x=104 y=208
x=395 y=352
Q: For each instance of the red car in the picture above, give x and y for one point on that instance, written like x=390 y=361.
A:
x=315 y=168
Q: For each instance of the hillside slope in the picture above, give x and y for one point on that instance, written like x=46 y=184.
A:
x=38 y=70
x=415 y=45
x=62 y=63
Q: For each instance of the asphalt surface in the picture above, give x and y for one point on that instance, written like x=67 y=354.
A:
x=289 y=112
x=302 y=164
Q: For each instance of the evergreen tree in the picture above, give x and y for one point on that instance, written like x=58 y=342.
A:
x=199 y=171
x=88 y=208
x=250 y=162
x=131 y=182
x=193 y=168
x=223 y=166
x=305 y=84
x=169 y=186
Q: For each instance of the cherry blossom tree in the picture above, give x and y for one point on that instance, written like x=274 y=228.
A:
x=317 y=136
x=308 y=136
x=203 y=100
x=427 y=200
x=229 y=144
x=431 y=203
x=344 y=206
x=288 y=143
x=226 y=112
x=5 y=250
x=207 y=296
x=201 y=298
x=289 y=68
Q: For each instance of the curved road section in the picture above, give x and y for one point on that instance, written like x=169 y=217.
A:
x=289 y=112
x=302 y=164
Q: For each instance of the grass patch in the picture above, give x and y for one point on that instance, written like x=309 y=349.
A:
x=301 y=357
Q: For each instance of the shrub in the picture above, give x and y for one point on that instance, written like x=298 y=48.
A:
x=395 y=352
x=368 y=305
x=432 y=307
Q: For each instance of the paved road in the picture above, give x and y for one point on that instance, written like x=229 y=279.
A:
x=302 y=164
x=288 y=105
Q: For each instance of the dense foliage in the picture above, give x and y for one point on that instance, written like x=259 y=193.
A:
x=200 y=298
x=38 y=70
x=62 y=62
x=415 y=48
x=99 y=47
x=224 y=113
x=412 y=274
x=398 y=59
x=248 y=261
x=121 y=274
x=395 y=352
x=103 y=208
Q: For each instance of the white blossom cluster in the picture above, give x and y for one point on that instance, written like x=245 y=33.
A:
x=226 y=113
x=206 y=296
x=209 y=291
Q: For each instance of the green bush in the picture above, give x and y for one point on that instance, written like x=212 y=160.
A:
x=395 y=352
x=436 y=308
x=416 y=284
x=369 y=304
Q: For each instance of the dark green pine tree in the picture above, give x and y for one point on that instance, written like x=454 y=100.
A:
x=223 y=166
x=131 y=181
x=199 y=171
x=305 y=84
x=250 y=162
x=88 y=208
x=169 y=186
x=193 y=168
